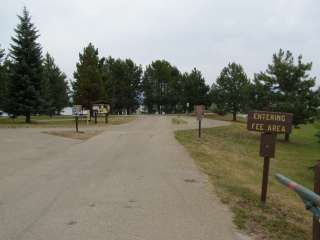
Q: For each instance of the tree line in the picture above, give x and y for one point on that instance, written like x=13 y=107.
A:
x=33 y=84
x=285 y=86
x=115 y=81
x=124 y=84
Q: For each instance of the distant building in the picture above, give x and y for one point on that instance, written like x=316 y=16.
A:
x=67 y=111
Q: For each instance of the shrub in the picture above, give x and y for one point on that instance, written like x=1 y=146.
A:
x=216 y=109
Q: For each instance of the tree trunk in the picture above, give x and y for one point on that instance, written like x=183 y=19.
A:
x=234 y=116
x=28 y=118
x=286 y=137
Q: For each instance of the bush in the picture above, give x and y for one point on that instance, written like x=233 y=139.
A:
x=214 y=108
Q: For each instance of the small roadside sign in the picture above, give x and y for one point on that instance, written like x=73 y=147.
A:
x=101 y=109
x=199 y=111
x=76 y=110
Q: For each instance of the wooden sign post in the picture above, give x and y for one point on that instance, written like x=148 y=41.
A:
x=101 y=108
x=76 y=111
x=199 y=111
x=269 y=123
x=77 y=123
x=106 y=112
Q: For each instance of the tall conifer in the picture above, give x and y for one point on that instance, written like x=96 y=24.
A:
x=24 y=88
x=88 y=86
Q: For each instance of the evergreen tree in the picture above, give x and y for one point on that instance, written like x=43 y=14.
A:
x=318 y=99
x=158 y=80
x=132 y=90
x=122 y=79
x=2 y=54
x=88 y=86
x=195 y=90
x=3 y=78
x=46 y=95
x=54 y=87
x=175 y=98
x=287 y=87
x=318 y=111
x=166 y=89
x=231 y=91
x=24 y=87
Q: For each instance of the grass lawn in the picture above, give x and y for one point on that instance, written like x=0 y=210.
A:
x=60 y=121
x=227 y=117
x=178 y=120
x=230 y=156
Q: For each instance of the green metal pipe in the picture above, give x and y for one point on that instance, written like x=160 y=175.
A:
x=310 y=198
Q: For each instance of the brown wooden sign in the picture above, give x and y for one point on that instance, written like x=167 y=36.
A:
x=271 y=122
x=199 y=111
x=267 y=145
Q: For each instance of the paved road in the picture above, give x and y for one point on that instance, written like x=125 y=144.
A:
x=132 y=182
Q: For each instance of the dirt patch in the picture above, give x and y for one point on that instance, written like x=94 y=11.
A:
x=74 y=135
x=190 y=180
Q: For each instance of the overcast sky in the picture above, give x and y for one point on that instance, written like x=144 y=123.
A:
x=206 y=34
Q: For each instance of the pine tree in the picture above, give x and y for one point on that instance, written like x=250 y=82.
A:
x=287 y=87
x=54 y=87
x=318 y=111
x=231 y=91
x=88 y=86
x=24 y=88
x=159 y=79
x=166 y=89
x=195 y=90
x=3 y=78
x=122 y=79
x=46 y=91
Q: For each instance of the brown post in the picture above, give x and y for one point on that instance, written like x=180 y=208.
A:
x=199 y=130
x=261 y=121
x=77 y=122
x=106 y=118
x=287 y=137
x=264 y=189
x=316 y=224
